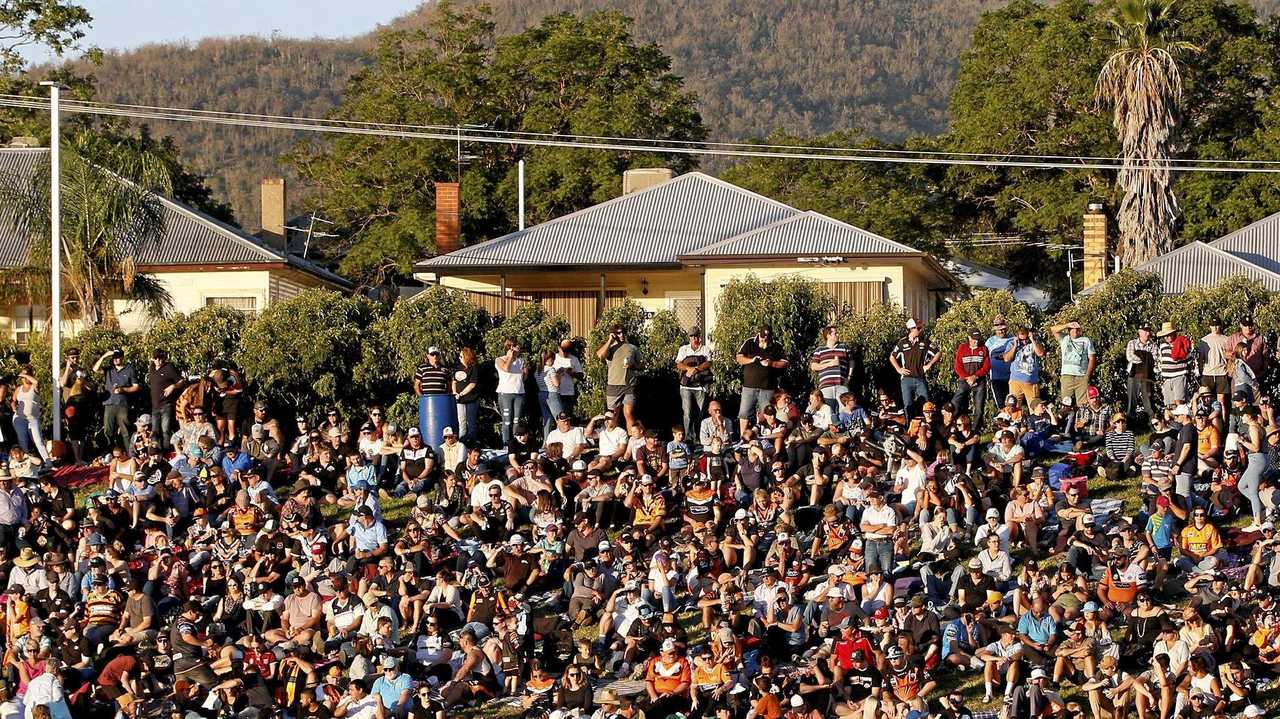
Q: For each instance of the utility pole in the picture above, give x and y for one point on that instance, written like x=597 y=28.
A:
x=520 y=175
x=311 y=232
x=55 y=253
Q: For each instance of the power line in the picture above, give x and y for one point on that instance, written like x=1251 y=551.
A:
x=624 y=144
x=478 y=129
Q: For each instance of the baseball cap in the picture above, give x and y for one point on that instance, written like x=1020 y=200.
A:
x=1182 y=410
x=1240 y=396
x=975 y=334
x=423 y=501
x=975 y=563
x=797 y=700
x=389 y=662
x=740 y=514
x=1091 y=606
x=917 y=601
x=579 y=466
x=1087 y=519
x=1073 y=325
x=604 y=546
x=433 y=350
x=413 y=432
x=297 y=581
x=1038 y=673
x=894 y=652
x=446 y=432
x=1253 y=710
x=1093 y=393
x=515 y=539
x=1162 y=501
x=928 y=407
x=364 y=510
x=1246 y=321
x=993 y=512
x=563 y=415
x=668 y=645
x=646 y=479
x=1145 y=326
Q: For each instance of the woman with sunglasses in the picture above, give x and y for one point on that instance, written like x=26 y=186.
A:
x=575 y=692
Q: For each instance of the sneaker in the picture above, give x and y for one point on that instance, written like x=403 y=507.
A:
x=384 y=494
x=987 y=698
x=410 y=497
x=1253 y=527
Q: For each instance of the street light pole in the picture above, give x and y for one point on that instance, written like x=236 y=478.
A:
x=55 y=254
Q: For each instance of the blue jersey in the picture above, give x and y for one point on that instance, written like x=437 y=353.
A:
x=996 y=347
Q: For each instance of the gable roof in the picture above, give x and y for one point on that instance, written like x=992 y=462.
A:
x=691 y=217
x=191 y=237
x=1198 y=265
x=1257 y=243
x=652 y=227
x=804 y=233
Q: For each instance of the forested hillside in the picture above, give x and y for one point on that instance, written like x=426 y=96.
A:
x=886 y=67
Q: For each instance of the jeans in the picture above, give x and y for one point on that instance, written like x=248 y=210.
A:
x=28 y=431
x=115 y=420
x=512 y=408
x=549 y=405
x=978 y=394
x=468 y=421
x=913 y=388
x=754 y=400
x=693 y=407
x=162 y=425
x=831 y=395
x=878 y=552
x=1139 y=390
x=1250 y=481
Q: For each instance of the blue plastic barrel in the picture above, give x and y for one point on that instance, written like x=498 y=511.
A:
x=435 y=412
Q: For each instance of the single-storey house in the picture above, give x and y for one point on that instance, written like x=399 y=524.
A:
x=675 y=245
x=1252 y=251
x=200 y=260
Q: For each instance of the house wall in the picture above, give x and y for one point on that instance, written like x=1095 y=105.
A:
x=192 y=290
x=900 y=284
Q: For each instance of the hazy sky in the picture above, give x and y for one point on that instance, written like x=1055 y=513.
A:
x=119 y=24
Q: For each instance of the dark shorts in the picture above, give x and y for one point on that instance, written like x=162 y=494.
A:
x=1217 y=385
x=616 y=395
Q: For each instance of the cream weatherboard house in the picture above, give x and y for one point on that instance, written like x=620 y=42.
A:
x=675 y=245
x=200 y=260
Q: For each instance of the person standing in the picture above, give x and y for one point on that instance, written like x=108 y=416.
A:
x=165 y=384
x=431 y=378
x=466 y=394
x=912 y=358
x=119 y=381
x=831 y=362
x=1175 y=365
x=26 y=413
x=510 y=386
x=1141 y=356
x=1078 y=360
x=1213 y=353
x=693 y=362
x=973 y=368
x=759 y=357
x=1025 y=357
x=1255 y=353
x=998 y=345
x=622 y=363
x=569 y=369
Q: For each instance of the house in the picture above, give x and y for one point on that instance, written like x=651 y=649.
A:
x=1252 y=251
x=200 y=260
x=977 y=276
x=674 y=245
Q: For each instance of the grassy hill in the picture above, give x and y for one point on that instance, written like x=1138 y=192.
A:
x=884 y=66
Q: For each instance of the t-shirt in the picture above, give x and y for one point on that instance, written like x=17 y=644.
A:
x=1213 y=355
x=914 y=354
x=756 y=375
x=511 y=380
x=433 y=380
x=138 y=608
x=571 y=363
x=832 y=376
x=621 y=364
x=116 y=378
x=390 y=690
x=157 y=380
x=464 y=376
x=1075 y=355
x=1188 y=437
x=572 y=439
x=997 y=346
x=687 y=356
x=1025 y=365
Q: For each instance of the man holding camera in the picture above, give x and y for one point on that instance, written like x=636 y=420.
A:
x=120 y=381
x=622 y=361
x=693 y=362
x=759 y=356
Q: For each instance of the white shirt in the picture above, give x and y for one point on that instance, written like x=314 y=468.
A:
x=45 y=689
x=572 y=364
x=611 y=439
x=885 y=515
x=366 y=708
x=511 y=380
x=480 y=493
x=1001 y=531
x=912 y=479
x=573 y=440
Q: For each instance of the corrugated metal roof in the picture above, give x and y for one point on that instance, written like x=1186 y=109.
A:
x=654 y=226
x=1257 y=243
x=191 y=237
x=806 y=233
x=1200 y=265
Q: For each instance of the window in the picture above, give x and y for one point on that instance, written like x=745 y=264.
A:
x=247 y=305
x=27 y=320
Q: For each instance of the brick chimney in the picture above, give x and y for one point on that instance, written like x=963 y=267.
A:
x=273 y=204
x=643 y=178
x=448 y=222
x=1095 y=244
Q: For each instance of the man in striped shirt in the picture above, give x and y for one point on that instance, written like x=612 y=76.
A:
x=1175 y=363
x=831 y=363
x=972 y=366
x=1118 y=455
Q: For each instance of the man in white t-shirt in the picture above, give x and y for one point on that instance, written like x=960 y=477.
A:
x=610 y=439
x=908 y=481
x=572 y=439
x=693 y=363
x=569 y=368
x=358 y=703
x=878 y=523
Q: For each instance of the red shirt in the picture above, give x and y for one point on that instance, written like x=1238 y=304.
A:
x=115 y=669
x=972 y=361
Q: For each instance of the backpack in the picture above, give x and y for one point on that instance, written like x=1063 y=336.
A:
x=1180 y=348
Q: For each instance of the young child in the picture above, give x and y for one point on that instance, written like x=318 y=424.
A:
x=677 y=455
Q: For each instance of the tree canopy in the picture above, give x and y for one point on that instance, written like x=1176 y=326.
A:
x=567 y=75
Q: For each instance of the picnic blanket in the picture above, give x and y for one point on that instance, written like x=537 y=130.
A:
x=77 y=476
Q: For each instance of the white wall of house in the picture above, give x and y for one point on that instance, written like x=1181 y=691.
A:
x=248 y=290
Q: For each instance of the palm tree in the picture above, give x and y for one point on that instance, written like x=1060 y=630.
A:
x=1142 y=83
x=110 y=213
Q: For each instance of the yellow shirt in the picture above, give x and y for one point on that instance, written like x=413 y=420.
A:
x=1203 y=541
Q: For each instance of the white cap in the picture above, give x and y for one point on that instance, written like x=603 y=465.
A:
x=668 y=645
x=604 y=546
x=797 y=700
x=1253 y=710
x=1182 y=410
x=446 y=432
x=579 y=466
x=834 y=593
x=993 y=512
x=516 y=539
x=912 y=324
x=413 y=432
x=1038 y=673
x=740 y=514
x=836 y=570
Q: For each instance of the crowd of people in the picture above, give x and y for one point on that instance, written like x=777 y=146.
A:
x=858 y=552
